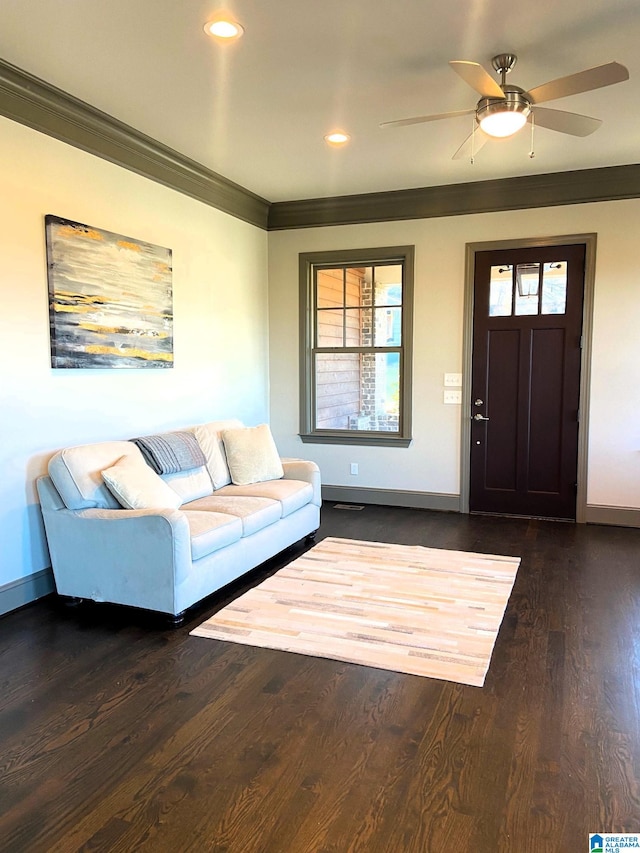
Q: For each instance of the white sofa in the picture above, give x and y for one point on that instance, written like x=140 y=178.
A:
x=167 y=559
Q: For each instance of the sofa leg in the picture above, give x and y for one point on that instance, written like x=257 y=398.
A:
x=311 y=537
x=175 y=621
x=72 y=601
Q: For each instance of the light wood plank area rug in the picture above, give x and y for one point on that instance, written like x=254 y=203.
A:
x=421 y=611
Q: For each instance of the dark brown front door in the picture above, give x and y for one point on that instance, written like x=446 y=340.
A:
x=526 y=381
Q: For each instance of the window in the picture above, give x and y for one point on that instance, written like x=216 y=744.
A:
x=356 y=325
x=532 y=288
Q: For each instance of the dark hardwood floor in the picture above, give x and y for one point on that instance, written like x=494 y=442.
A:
x=118 y=734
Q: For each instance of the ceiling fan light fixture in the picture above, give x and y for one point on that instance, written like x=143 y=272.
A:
x=503 y=117
x=502 y=123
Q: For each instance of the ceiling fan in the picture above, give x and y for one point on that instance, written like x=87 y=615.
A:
x=504 y=108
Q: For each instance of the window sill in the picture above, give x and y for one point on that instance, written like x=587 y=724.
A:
x=353 y=437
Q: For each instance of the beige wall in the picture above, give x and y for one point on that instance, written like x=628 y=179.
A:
x=223 y=342
x=432 y=462
x=220 y=323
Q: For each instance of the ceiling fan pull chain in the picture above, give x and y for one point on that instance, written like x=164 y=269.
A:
x=532 y=153
x=473 y=142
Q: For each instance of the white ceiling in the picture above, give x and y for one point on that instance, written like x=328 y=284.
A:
x=256 y=110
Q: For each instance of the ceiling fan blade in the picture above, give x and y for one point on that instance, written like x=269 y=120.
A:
x=471 y=145
x=476 y=76
x=565 y=122
x=420 y=119
x=583 y=81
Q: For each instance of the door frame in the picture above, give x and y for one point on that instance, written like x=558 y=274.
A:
x=589 y=240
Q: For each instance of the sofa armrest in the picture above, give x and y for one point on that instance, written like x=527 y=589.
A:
x=307 y=472
x=135 y=557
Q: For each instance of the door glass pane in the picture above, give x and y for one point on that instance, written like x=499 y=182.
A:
x=527 y=288
x=554 y=288
x=501 y=291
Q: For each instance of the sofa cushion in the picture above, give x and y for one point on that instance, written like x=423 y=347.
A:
x=136 y=486
x=190 y=485
x=77 y=473
x=211 y=531
x=252 y=455
x=255 y=513
x=292 y=494
x=210 y=440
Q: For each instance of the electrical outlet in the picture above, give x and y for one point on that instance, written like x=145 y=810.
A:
x=452 y=397
x=354 y=469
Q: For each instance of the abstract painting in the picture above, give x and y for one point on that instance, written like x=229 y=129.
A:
x=110 y=298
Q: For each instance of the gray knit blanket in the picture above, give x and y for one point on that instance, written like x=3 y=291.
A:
x=170 y=452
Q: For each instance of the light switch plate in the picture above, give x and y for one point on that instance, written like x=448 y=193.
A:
x=452 y=397
x=453 y=380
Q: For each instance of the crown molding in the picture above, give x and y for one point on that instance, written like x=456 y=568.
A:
x=35 y=103
x=529 y=191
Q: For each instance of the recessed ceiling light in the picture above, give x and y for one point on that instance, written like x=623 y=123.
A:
x=337 y=138
x=222 y=26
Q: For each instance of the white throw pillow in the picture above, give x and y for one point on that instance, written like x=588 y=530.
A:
x=136 y=486
x=209 y=438
x=252 y=455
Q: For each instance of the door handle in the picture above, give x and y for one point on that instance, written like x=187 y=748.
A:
x=480 y=417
